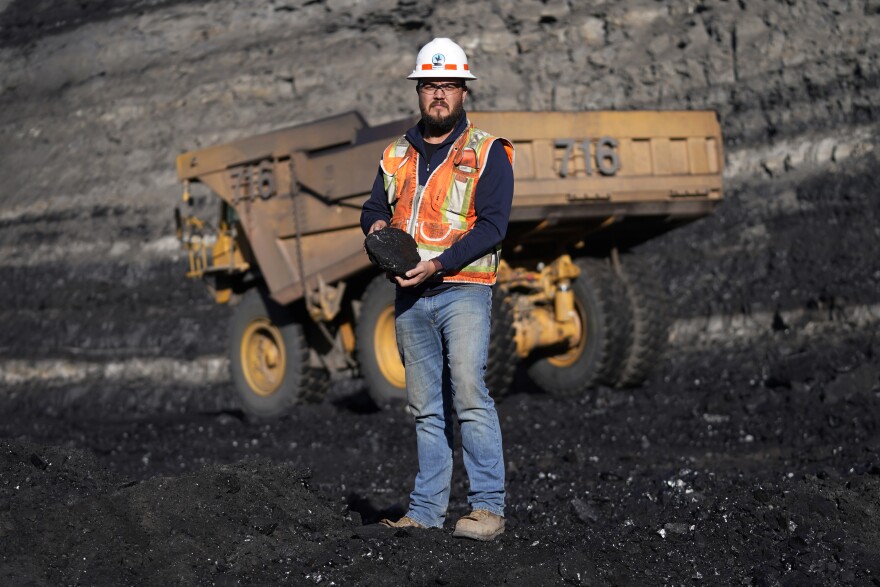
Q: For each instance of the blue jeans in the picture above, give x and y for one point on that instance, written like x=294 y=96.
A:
x=444 y=342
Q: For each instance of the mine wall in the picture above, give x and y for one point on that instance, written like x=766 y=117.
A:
x=97 y=100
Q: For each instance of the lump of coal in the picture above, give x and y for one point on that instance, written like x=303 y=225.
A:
x=393 y=250
x=584 y=511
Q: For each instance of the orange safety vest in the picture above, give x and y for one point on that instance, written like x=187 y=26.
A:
x=439 y=213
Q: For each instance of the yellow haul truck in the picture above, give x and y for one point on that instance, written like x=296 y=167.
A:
x=572 y=302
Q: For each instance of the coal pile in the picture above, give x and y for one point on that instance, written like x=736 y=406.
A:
x=754 y=464
x=68 y=521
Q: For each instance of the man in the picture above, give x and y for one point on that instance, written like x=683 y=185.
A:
x=450 y=186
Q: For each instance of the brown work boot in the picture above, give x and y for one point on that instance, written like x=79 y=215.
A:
x=404 y=522
x=479 y=525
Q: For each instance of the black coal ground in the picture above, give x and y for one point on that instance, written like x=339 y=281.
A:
x=747 y=461
x=759 y=465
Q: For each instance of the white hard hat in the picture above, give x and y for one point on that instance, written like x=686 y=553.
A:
x=441 y=58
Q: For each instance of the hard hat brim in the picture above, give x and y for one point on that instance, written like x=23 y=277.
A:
x=438 y=73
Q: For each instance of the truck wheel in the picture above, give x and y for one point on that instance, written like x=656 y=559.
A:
x=501 y=366
x=379 y=358
x=601 y=309
x=649 y=308
x=269 y=358
x=377 y=352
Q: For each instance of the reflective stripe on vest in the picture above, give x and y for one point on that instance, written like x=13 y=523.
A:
x=439 y=213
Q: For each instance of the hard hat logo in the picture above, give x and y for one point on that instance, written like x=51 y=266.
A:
x=442 y=58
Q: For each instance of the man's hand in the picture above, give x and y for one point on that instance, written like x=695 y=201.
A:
x=417 y=274
x=378 y=225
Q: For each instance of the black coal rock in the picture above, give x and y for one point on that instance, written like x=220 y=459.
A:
x=392 y=250
x=585 y=512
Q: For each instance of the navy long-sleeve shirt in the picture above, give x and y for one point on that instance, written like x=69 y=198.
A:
x=492 y=202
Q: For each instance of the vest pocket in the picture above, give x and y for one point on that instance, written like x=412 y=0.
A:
x=439 y=234
x=467 y=172
x=456 y=200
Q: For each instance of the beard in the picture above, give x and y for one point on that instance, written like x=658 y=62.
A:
x=440 y=125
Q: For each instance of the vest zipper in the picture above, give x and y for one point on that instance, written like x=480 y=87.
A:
x=417 y=200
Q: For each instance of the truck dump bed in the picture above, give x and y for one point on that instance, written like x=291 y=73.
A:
x=570 y=295
x=593 y=180
x=619 y=177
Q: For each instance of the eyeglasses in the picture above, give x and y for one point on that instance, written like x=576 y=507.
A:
x=432 y=88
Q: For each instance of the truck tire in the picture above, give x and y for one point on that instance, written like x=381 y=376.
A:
x=269 y=358
x=601 y=306
x=649 y=309
x=379 y=359
x=376 y=341
x=501 y=365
